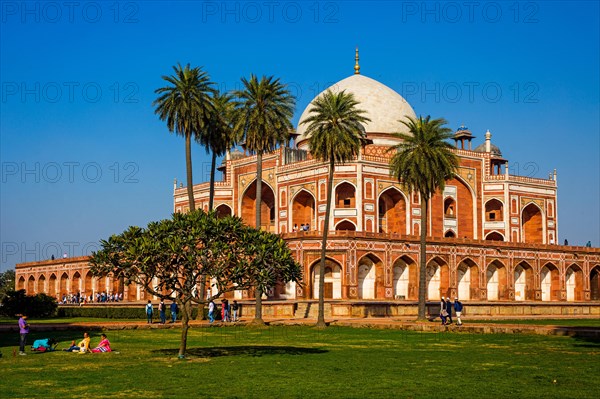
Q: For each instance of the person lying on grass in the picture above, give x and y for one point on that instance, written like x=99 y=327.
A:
x=103 y=346
x=44 y=345
x=82 y=347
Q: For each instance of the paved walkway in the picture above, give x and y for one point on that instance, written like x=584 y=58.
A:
x=511 y=327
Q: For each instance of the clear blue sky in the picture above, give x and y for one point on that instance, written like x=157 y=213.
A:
x=83 y=155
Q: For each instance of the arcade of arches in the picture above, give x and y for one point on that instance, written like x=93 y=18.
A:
x=360 y=268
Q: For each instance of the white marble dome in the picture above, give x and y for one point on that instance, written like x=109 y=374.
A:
x=383 y=106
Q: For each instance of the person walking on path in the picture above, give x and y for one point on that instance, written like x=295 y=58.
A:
x=449 y=310
x=211 y=311
x=23 y=331
x=458 y=307
x=235 y=308
x=162 y=309
x=173 y=311
x=149 y=311
x=443 y=312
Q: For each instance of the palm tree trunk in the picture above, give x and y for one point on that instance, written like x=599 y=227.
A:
x=211 y=195
x=185 y=326
x=258 y=293
x=188 y=169
x=423 y=259
x=321 y=317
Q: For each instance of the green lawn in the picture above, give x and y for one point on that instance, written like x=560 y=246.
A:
x=302 y=362
x=542 y=322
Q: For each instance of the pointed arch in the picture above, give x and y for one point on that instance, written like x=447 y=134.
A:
x=494 y=210
x=550 y=282
x=464 y=210
x=393 y=211
x=533 y=224
x=370 y=277
x=496 y=281
x=450 y=234
x=52 y=281
x=345 y=195
x=76 y=283
x=595 y=283
x=467 y=279
x=223 y=210
x=41 y=284
x=303 y=209
x=31 y=285
x=88 y=284
x=405 y=278
x=494 y=236
x=63 y=285
x=248 y=206
x=332 y=280
x=574 y=283
x=345 y=225
x=524 y=282
x=437 y=278
x=21 y=283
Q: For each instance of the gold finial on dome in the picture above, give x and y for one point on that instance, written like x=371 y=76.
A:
x=356 y=66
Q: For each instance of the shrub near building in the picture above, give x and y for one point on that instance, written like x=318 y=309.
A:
x=17 y=302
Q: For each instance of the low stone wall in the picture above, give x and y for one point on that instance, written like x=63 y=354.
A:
x=364 y=309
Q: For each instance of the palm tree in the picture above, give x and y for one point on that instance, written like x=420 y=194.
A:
x=218 y=136
x=422 y=163
x=263 y=118
x=335 y=135
x=185 y=105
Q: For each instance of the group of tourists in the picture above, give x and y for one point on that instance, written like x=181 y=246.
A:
x=49 y=344
x=82 y=298
x=303 y=227
x=162 y=311
x=84 y=345
x=446 y=308
x=228 y=312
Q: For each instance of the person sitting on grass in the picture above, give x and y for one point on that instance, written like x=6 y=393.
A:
x=103 y=346
x=82 y=347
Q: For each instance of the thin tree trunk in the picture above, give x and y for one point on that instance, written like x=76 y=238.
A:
x=258 y=293
x=202 y=295
x=211 y=195
x=423 y=259
x=185 y=326
x=321 y=317
x=188 y=168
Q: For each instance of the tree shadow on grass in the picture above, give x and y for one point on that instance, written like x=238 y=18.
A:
x=249 y=350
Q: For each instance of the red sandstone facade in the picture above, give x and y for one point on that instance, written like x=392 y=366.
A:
x=492 y=235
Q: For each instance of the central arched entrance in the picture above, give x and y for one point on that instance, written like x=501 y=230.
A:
x=267 y=207
x=332 y=281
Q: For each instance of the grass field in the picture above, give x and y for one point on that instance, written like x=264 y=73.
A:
x=302 y=362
